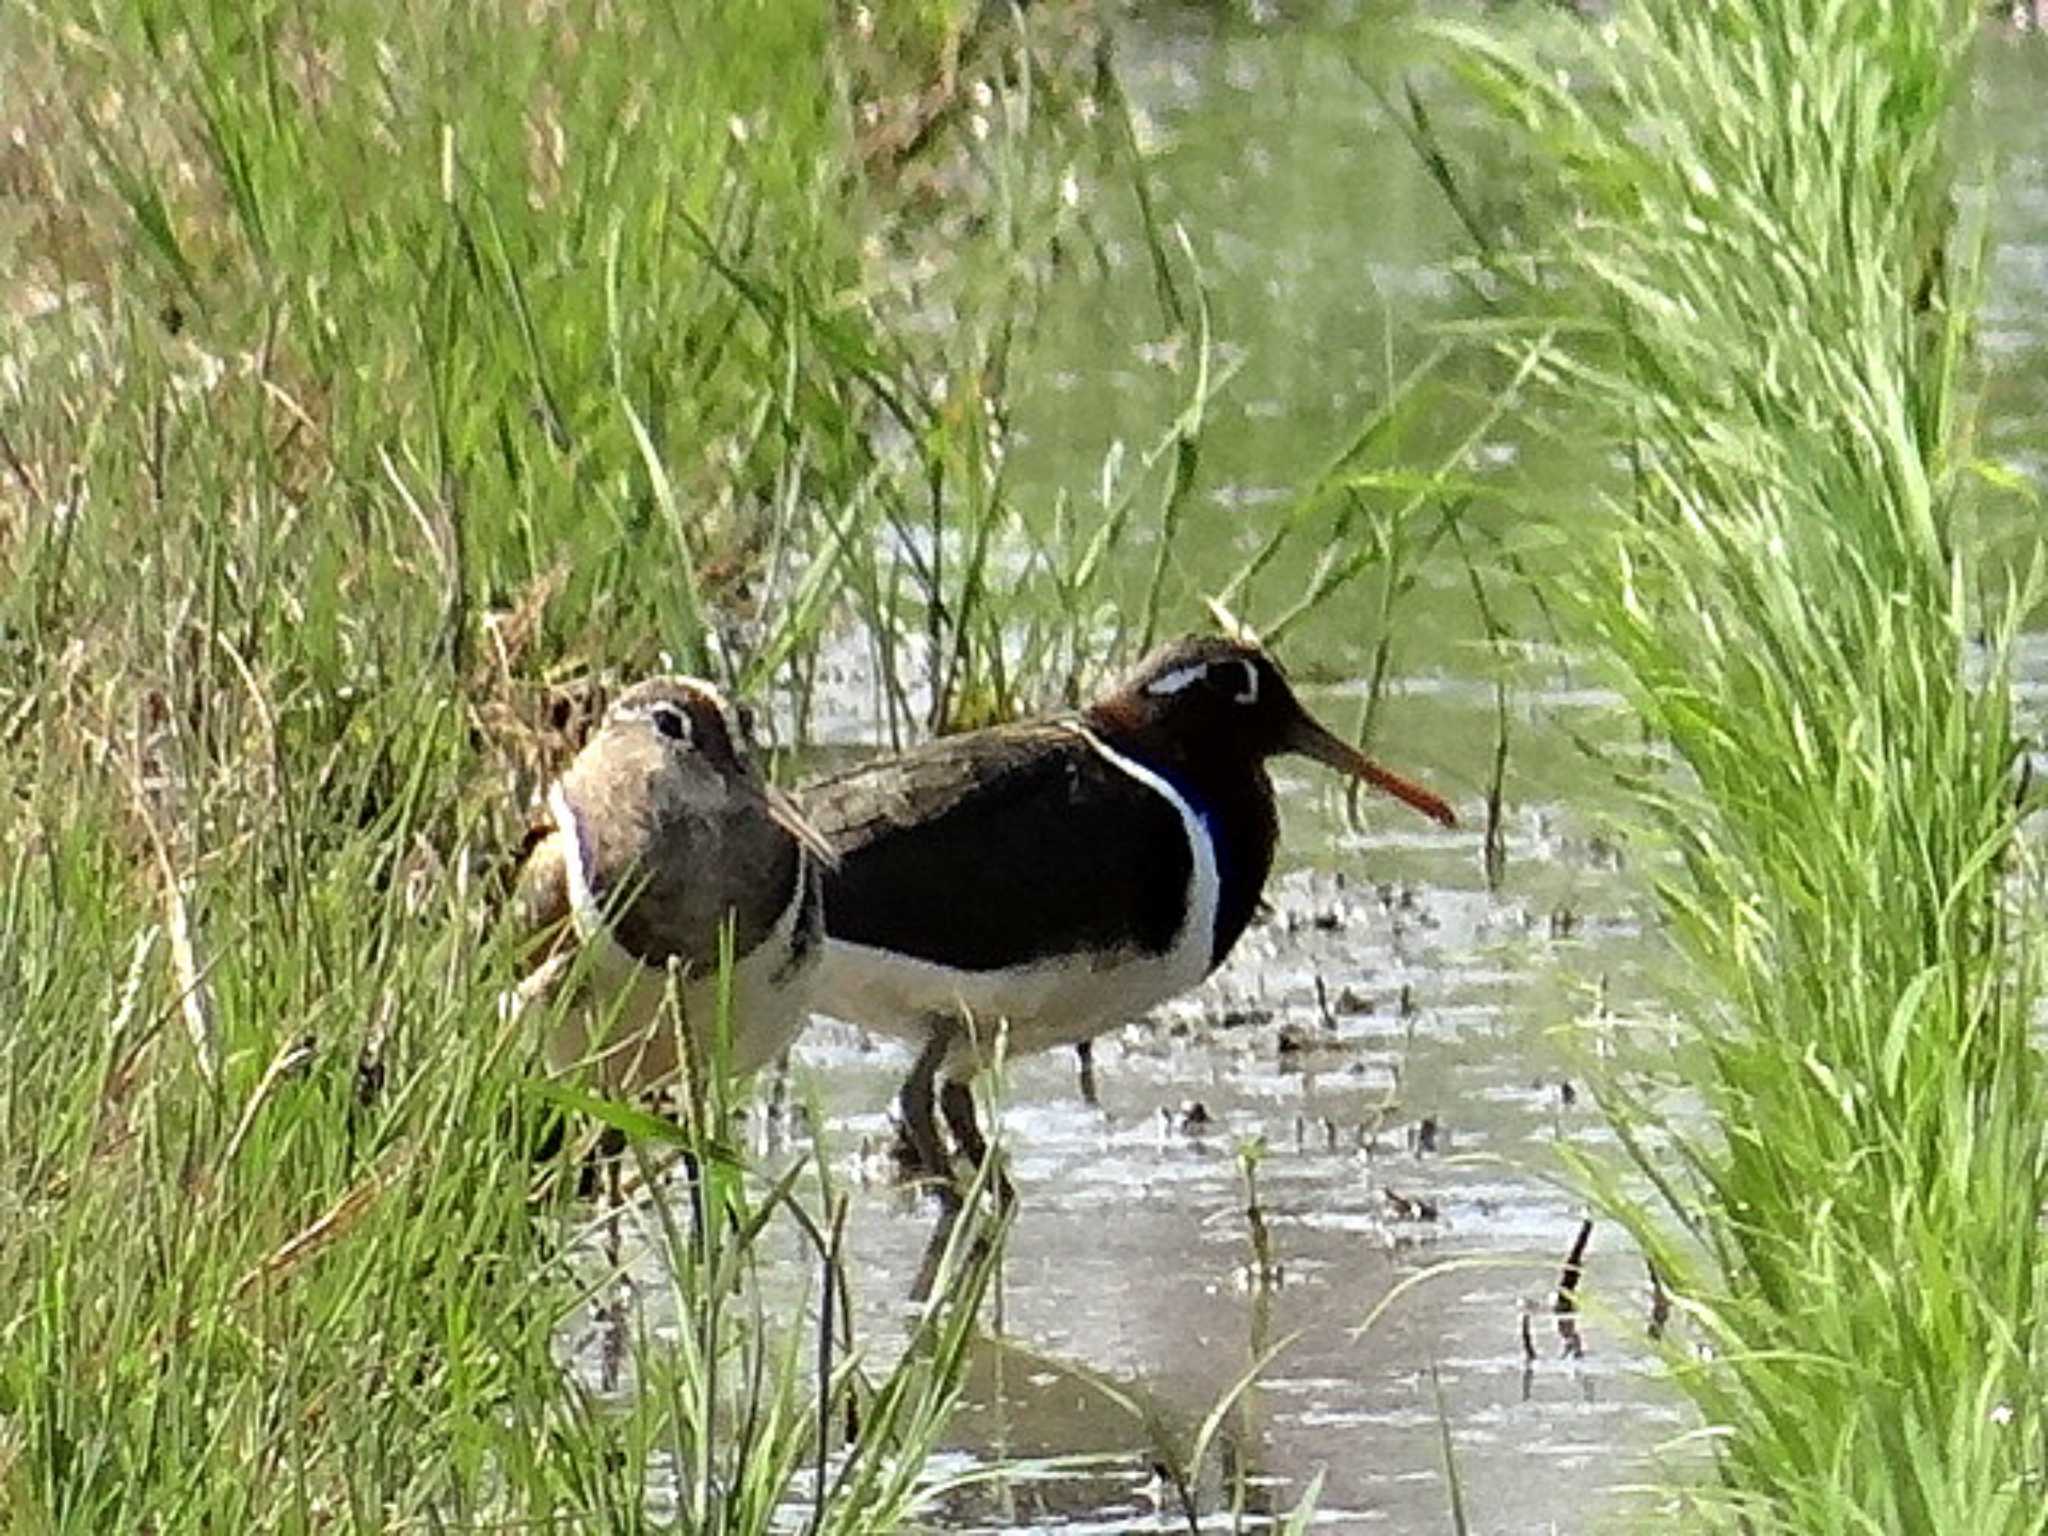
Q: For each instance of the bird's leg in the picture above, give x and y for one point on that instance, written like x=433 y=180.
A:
x=599 y=1178
x=693 y=1180
x=933 y=1165
x=611 y=1313
x=956 y=1102
x=777 y=1115
x=1085 y=1054
x=598 y=1174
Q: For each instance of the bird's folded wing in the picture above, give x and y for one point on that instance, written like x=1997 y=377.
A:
x=999 y=849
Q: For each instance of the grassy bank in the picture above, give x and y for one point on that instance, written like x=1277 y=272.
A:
x=1764 y=295
x=533 y=328
x=376 y=379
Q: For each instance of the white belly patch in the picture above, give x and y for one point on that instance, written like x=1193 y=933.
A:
x=1059 y=1000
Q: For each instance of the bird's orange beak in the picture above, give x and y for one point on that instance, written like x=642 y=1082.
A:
x=1312 y=740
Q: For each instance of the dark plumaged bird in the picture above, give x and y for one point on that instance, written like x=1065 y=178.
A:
x=1062 y=876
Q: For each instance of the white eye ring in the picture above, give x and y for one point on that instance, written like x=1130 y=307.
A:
x=671 y=722
x=1251 y=685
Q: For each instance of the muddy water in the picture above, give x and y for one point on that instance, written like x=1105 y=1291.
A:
x=1387 y=988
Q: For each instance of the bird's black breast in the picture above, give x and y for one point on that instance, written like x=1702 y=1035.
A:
x=1244 y=828
x=1002 y=848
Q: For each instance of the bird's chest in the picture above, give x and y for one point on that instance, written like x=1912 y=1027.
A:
x=1233 y=828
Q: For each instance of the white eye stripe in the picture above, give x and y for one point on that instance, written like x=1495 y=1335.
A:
x=685 y=695
x=1177 y=679
x=1186 y=677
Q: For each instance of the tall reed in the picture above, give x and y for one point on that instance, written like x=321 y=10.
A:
x=1766 y=291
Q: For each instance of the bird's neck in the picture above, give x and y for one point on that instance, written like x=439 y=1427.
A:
x=1230 y=795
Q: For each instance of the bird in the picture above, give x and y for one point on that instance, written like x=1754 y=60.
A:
x=1063 y=875
x=659 y=846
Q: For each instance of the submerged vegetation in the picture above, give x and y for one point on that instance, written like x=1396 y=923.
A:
x=379 y=383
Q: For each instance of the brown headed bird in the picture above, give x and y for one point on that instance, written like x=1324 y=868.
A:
x=659 y=840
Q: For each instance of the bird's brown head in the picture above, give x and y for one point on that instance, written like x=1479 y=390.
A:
x=1209 y=695
x=684 y=719
x=698 y=744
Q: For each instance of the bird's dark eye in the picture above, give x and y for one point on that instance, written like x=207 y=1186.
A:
x=671 y=722
x=1237 y=681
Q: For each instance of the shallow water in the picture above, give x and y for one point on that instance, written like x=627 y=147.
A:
x=1405 y=994
x=1405 y=990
